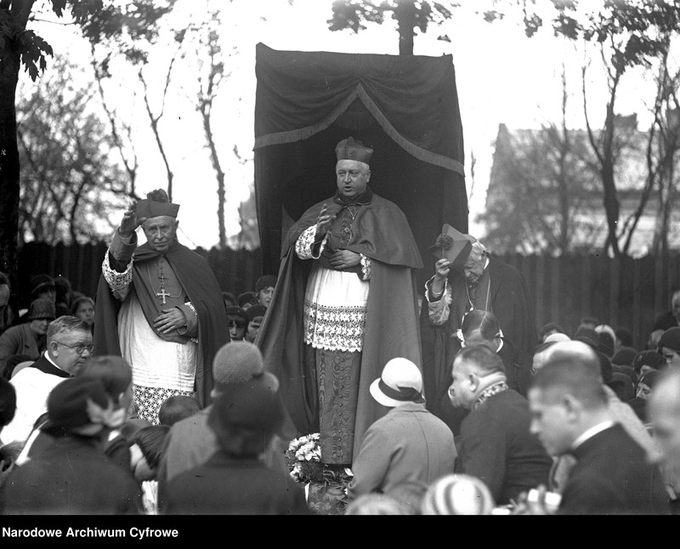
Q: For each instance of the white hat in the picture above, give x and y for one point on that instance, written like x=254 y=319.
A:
x=400 y=382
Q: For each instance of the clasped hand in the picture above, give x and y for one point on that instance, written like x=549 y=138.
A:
x=344 y=259
x=169 y=320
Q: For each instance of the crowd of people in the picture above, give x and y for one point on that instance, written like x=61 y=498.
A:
x=164 y=394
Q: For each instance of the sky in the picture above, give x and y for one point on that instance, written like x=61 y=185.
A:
x=502 y=77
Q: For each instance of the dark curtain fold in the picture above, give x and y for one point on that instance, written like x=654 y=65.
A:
x=405 y=107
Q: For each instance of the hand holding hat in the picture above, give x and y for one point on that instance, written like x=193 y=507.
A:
x=453 y=246
x=155 y=204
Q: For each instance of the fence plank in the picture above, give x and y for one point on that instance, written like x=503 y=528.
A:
x=628 y=293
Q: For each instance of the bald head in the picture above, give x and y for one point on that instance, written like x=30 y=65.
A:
x=572 y=350
x=664 y=411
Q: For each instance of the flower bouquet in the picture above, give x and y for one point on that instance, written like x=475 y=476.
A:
x=326 y=483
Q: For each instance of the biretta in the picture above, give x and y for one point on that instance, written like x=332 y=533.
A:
x=452 y=245
x=349 y=149
x=149 y=207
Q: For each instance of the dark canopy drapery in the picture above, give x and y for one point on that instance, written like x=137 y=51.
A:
x=404 y=107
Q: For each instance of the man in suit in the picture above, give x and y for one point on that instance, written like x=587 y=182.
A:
x=570 y=415
x=495 y=444
x=481 y=327
x=69 y=345
x=409 y=444
x=621 y=412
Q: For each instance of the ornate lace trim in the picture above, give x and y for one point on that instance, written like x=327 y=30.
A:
x=334 y=328
x=438 y=311
x=304 y=245
x=116 y=280
x=193 y=310
x=365 y=267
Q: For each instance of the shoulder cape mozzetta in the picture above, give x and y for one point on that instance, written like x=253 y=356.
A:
x=200 y=284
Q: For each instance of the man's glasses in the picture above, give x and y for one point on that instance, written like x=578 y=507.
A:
x=79 y=348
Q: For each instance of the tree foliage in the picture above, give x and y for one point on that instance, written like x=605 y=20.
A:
x=69 y=181
x=409 y=15
x=627 y=33
x=128 y=22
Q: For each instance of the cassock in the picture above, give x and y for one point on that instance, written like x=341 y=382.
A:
x=501 y=290
x=196 y=283
x=379 y=230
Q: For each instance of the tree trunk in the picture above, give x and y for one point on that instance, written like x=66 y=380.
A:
x=9 y=167
x=405 y=14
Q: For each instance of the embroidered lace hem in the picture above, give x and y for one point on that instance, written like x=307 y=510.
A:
x=116 y=280
x=334 y=328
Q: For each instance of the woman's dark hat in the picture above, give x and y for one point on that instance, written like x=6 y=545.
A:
x=235 y=310
x=41 y=283
x=42 y=308
x=671 y=339
x=265 y=281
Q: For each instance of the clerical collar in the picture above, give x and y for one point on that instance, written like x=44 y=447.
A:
x=487 y=393
x=591 y=433
x=51 y=367
x=364 y=198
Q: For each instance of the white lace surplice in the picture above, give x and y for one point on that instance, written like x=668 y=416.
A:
x=335 y=303
x=335 y=310
x=155 y=362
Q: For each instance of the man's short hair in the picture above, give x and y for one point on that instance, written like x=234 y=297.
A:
x=484 y=360
x=484 y=321
x=570 y=375
x=576 y=350
x=66 y=324
x=176 y=408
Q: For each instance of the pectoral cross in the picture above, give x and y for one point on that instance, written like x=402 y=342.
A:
x=162 y=293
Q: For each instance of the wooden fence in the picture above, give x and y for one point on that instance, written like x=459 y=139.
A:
x=627 y=293
x=236 y=270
